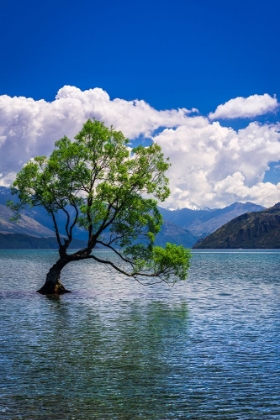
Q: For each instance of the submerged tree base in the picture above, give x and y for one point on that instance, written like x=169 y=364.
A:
x=53 y=289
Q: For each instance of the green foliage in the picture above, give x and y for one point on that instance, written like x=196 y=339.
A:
x=110 y=190
x=171 y=260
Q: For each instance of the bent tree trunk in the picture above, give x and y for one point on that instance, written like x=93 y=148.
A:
x=52 y=284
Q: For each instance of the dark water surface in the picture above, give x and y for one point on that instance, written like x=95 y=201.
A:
x=207 y=348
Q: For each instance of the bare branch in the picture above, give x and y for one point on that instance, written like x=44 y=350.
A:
x=116 y=252
x=67 y=222
x=109 y=263
x=75 y=219
x=56 y=228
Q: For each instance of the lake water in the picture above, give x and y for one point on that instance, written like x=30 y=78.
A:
x=207 y=348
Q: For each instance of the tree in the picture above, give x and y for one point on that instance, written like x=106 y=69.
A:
x=111 y=191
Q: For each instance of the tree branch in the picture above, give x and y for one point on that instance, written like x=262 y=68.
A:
x=116 y=252
x=55 y=228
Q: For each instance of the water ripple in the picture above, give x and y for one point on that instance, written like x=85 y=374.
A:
x=205 y=349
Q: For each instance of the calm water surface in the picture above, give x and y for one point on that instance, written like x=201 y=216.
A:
x=207 y=348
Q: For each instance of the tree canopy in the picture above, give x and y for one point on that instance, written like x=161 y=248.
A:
x=111 y=190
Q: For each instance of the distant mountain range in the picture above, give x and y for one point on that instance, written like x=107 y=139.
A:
x=170 y=232
x=250 y=230
x=182 y=227
x=203 y=222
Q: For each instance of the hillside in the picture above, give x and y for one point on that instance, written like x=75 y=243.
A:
x=250 y=230
x=34 y=221
x=26 y=225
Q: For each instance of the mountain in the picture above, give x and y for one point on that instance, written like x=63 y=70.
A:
x=34 y=221
x=203 y=222
x=26 y=225
x=198 y=222
x=250 y=230
x=169 y=233
x=176 y=235
x=182 y=227
x=19 y=241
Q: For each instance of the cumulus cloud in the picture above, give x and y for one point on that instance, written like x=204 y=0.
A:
x=211 y=162
x=212 y=165
x=29 y=128
x=245 y=107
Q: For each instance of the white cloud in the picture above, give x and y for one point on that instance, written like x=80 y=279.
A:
x=245 y=107
x=29 y=128
x=212 y=165
x=211 y=162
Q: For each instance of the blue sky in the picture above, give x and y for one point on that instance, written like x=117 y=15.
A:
x=170 y=54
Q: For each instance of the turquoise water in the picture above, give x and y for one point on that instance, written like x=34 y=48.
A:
x=207 y=348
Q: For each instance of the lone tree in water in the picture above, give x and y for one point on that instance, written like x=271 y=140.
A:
x=100 y=184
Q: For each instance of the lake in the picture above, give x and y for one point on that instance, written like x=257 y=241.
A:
x=206 y=348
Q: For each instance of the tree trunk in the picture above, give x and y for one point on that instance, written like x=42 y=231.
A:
x=52 y=284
